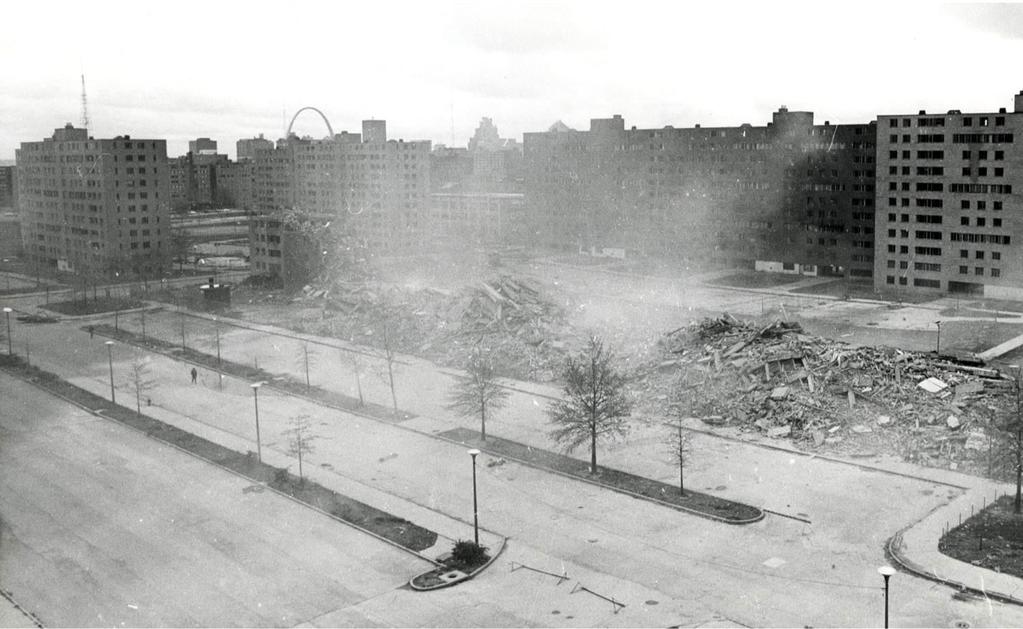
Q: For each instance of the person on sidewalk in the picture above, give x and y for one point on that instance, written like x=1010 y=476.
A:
x=91 y=330
x=194 y=374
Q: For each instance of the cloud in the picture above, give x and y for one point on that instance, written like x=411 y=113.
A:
x=1004 y=20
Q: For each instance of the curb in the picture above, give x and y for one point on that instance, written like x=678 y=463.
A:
x=633 y=494
x=892 y=549
x=10 y=599
x=101 y=415
x=471 y=575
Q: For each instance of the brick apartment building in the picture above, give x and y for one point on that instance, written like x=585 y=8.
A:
x=378 y=187
x=948 y=197
x=95 y=207
x=789 y=196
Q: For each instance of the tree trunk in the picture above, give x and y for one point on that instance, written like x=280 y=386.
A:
x=483 y=421
x=593 y=450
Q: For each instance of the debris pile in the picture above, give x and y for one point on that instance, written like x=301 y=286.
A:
x=779 y=381
x=510 y=315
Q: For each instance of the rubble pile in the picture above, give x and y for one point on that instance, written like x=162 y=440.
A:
x=509 y=315
x=779 y=381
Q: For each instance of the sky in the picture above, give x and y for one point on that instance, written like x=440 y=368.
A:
x=224 y=69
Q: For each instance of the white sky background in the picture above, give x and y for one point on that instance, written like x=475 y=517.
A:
x=181 y=69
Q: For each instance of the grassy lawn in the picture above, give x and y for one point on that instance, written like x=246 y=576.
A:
x=756 y=279
x=253 y=374
x=993 y=539
x=94 y=306
x=397 y=530
x=732 y=512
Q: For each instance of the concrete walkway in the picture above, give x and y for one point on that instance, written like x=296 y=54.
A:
x=916 y=548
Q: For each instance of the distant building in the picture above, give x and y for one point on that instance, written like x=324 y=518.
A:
x=790 y=196
x=485 y=220
x=246 y=148
x=376 y=186
x=95 y=207
x=10 y=234
x=7 y=186
x=948 y=195
x=202 y=146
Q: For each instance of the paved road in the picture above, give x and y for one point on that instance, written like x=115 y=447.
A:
x=775 y=572
x=102 y=526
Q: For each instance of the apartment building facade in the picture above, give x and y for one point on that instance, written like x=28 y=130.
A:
x=948 y=200
x=378 y=188
x=788 y=196
x=95 y=207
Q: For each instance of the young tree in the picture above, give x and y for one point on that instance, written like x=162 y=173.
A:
x=386 y=331
x=303 y=359
x=140 y=379
x=357 y=368
x=678 y=443
x=300 y=441
x=478 y=390
x=595 y=405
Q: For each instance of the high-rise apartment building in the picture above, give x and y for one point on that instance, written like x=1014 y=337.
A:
x=246 y=148
x=96 y=207
x=948 y=200
x=377 y=187
x=789 y=196
x=7 y=184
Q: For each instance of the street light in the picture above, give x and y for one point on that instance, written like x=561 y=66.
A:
x=110 y=361
x=10 y=349
x=886 y=572
x=255 y=398
x=938 y=348
x=475 y=510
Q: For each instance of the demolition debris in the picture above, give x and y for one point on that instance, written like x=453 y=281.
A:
x=781 y=382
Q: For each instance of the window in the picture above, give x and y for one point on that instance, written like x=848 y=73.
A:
x=964 y=220
x=1000 y=121
x=979 y=255
x=964 y=270
x=891 y=248
x=997 y=205
x=982 y=171
x=905 y=171
x=996 y=255
x=966 y=171
x=996 y=272
x=996 y=222
x=982 y=155
x=891 y=218
x=978 y=270
x=981 y=222
x=904 y=249
x=902 y=281
x=891 y=264
x=999 y=172
x=966 y=155
x=893 y=138
x=964 y=205
x=893 y=170
x=963 y=253
x=889 y=279
x=903 y=264
x=983 y=122
x=891 y=233
x=999 y=155
x=893 y=155
x=967 y=122
x=981 y=205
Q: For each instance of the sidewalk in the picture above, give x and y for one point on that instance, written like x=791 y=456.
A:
x=915 y=548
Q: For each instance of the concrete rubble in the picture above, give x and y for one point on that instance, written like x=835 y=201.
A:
x=821 y=393
x=511 y=316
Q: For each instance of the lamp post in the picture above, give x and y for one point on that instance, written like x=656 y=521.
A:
x=937 y=350
x=886 y=572
x=475 y=509
x=110 y=361
x=10 y=348
x=255 y=398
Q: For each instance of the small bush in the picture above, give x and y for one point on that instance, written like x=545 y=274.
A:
x=469 y=554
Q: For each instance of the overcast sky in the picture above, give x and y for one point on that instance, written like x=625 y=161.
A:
x=182 y=69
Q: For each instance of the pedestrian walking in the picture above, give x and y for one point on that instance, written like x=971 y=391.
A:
x=194 y=374
x=91 y=330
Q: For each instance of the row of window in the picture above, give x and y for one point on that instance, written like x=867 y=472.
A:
x=939 y=121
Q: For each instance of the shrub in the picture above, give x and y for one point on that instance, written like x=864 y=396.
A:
x=469 y=553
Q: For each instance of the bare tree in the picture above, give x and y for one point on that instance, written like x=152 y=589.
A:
x=595 y=405
x=140 y=379
x=386 y=329
x=300 y=440
x=678 y=443
x=303 y=360
x=478 y=390
x=357 y=368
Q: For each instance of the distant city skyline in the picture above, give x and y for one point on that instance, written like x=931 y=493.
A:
x=228 y=71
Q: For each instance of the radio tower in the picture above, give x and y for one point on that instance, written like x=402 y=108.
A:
x=85 y=106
